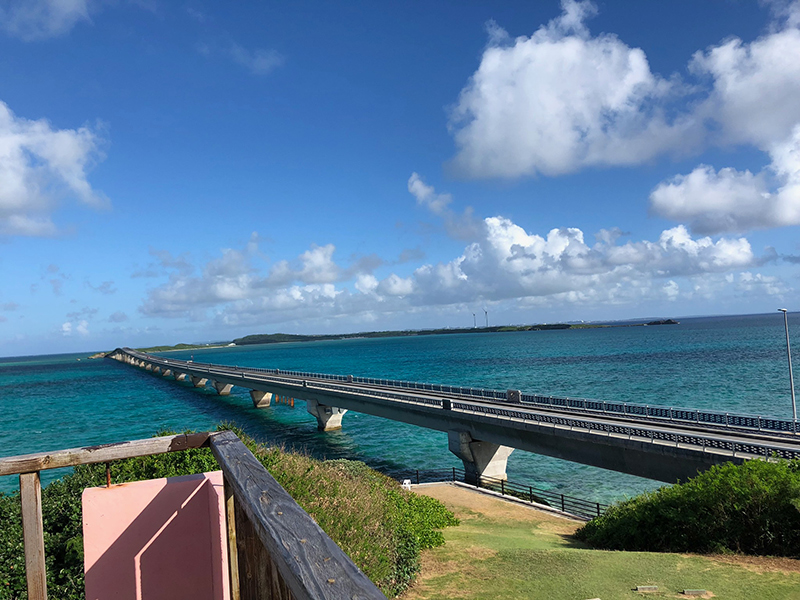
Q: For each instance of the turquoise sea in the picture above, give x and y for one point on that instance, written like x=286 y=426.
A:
x=735 y=364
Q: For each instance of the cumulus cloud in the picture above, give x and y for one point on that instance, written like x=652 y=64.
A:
x=754 y=87
x=39 y=19
x=117 y=317
x=80 y=327
x=504 y=263
x=40 y=166
x=561 y=100
x=730 y=200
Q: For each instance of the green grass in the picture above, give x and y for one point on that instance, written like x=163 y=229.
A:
x=508 y=553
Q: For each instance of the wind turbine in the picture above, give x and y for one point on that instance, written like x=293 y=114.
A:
x=474 y=321
x=486 y=312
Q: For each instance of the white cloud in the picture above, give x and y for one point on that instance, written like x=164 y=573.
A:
x=561 y=100
x=755 y=86
x=80 y=327
x=318 y=265
x=258 y=61
x=505 y=263
x=459 y=226
x=39 y=166
x=38 y=19
x=426 y=195
x=731 y=200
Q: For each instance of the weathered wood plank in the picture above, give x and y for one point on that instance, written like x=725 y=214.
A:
x=29 y=463
x=233 y=555
x=308 y=561
x=259 y=578
x=33 y=535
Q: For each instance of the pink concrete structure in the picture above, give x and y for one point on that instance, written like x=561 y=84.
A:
x=163 y=539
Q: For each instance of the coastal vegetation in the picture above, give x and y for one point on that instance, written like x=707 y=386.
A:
x=279 y=338
x=753 y=508
x=506 y=550
x=380 y=526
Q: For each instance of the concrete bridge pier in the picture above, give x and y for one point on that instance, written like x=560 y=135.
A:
x=148 y=367
x=180 y=376
x=481 y=459
x=166 y=372
x=157 y=370
x=199 y=381
x=260 y=399
x=328 y=417
x=223 y=389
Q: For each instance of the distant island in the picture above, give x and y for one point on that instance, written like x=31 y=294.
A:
x=278 y=338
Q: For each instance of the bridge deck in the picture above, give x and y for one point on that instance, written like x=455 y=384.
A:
x=639 y=442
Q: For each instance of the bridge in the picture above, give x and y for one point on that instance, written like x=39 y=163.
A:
x=485 y=426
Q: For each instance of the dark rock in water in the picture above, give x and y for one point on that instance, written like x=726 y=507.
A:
x=665 y=322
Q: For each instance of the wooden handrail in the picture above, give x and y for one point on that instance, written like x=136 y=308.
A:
x=310 y=564
x=29 y=463
x=276 y=550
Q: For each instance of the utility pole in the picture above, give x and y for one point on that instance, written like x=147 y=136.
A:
x=789 y=356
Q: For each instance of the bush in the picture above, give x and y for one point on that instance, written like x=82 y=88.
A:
x=379 y=525
x=753 y=508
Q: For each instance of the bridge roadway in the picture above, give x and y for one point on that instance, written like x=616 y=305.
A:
x=485 y=426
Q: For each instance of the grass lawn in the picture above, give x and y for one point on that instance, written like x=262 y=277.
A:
x=504 y=550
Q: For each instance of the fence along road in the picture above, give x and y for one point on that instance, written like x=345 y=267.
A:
x=485 y=426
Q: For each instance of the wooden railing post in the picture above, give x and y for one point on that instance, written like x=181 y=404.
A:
x=233 y=555
x=30 y=492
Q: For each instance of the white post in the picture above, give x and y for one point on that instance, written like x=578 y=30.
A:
x=791 y=377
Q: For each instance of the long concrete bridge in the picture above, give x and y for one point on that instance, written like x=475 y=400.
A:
x=485 y=426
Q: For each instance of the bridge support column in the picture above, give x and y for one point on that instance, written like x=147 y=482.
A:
x=260 y=399
x=180 y=376
x=328 y=417
x=148 y=367
x=157 y=370
x=481 y=459
x=166 y=372
x=223 y=389
x=199 y=381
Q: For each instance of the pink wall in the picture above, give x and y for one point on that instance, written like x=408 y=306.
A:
x=163 y=539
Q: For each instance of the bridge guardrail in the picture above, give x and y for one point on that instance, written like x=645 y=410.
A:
x=586 y=509
x=647 y=412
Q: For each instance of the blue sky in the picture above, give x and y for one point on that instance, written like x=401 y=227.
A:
x=187 y=171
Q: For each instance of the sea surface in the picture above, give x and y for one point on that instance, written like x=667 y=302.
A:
x=734 y=364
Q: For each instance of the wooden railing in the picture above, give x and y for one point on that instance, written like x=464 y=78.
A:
x=275 y=549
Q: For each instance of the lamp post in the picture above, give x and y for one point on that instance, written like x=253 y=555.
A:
x=789 y=355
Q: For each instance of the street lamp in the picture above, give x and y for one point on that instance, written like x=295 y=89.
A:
x=789 y=355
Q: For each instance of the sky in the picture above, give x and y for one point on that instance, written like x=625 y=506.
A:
x=194 y=171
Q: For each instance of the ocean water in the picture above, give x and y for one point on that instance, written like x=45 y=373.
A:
x=735 y=364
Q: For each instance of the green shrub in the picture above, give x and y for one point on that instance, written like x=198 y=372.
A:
x=753 y=508
x=380 y=526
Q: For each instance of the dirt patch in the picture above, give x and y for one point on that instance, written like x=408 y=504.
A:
x=465 y=503
x=759 y=564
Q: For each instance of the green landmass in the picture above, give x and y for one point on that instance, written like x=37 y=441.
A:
x=278 y=338
x=274 y=338
x=183 y=347
x=379 y=525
